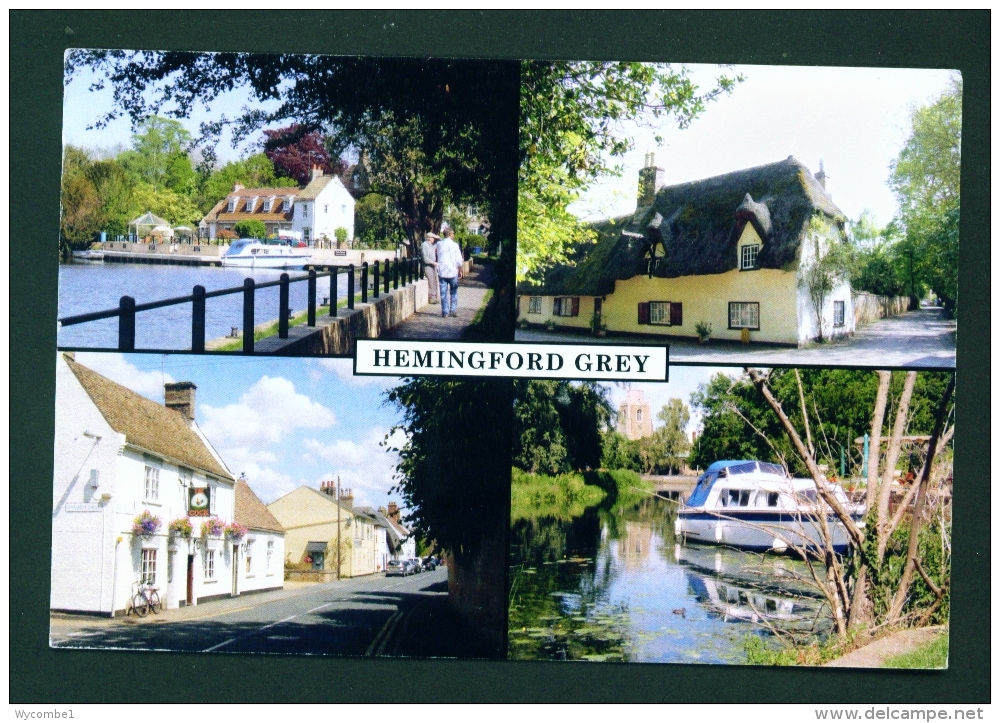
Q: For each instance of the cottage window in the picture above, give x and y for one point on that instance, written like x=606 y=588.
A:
x=326 y=208
x=659 y=312
x=566 y=306
x=148 y=571
x=249 y=555
x=287 y=205
x=343 y=209
x=211 y=500
x=270 y=554
x=305 y=210
x=232 y=205
x=267 y=205
x=535 y=305
x=744 y=315
x=151 y=489
x=748 y=256
x=838 y=313
x=251 y=202
x=209 y=564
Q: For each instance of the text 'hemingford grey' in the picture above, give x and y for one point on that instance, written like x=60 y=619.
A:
x=543 y=361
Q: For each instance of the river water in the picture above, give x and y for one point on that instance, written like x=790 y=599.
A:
x=611 y=584
x=85 y=287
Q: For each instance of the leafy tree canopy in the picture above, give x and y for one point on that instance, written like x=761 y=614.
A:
x=157 y=145
x=295 y=153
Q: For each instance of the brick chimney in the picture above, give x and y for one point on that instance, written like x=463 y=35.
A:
x=179 y=396
x=821 y=174
x=650 y=181
x=347 y=498
x=316 y=172
x=392 y=512
x=237 y=187
x=328 y=487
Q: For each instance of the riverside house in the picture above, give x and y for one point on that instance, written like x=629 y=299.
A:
x=312 y=213
x=732 y=251
x=125 y=469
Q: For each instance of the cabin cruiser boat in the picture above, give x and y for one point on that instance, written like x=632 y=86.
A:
x=756 y=506
x=88 y=255
x=251 y=253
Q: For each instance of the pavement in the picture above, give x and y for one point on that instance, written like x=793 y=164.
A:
x=372 y=615
x=915 y=339
x=427 y=322
x=875 y=654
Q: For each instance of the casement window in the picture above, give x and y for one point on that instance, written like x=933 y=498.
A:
x=232 y=205
x=209 y=564
x=744 y=315
x=147 y=574
x=251 y=202
x=326 y=208
x=267 y=205
x=566 y=306
x=212 y=494
x=249 y=555
x=287 y=206
x=838 y=313
x=662 y=313
x=748 y=256
x=270 y=554
x=343 y=209
x=535 y=305
x=305 y=210
x=151 y=486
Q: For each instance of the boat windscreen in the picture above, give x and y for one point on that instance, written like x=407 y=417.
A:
x=772 y=468
x=236 y=247
x=744 y=468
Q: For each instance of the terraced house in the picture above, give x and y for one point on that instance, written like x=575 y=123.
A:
x=735 y=252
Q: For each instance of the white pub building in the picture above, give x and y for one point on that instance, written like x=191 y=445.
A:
x=121 y=458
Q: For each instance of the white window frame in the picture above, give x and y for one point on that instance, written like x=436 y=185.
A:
x=326 y=208
x=746 y=316
x=748 y=256
x=270 y=554
x=209 y=564
x=534 y=304
x=213 y=492
x=147 y=566
x=841 y=307
x=343 y=208
x=287 y=206
x=232 y=205
x=248 y=555
x=151 y=484
x=659 y=313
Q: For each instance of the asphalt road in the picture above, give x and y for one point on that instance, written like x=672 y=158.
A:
x=363 y=616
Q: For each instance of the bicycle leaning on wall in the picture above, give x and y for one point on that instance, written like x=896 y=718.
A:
x=146 y=599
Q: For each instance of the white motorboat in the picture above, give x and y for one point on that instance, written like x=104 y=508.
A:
x=757 y=506
x=88 y=255
x=251 y=253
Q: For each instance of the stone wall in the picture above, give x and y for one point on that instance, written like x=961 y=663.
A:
x=869 y=307
x=334 y=336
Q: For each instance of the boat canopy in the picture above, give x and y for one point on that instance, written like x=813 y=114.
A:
x=728 y=466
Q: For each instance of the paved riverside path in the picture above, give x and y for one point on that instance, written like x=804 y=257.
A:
x=875 y=654
x=372 y=615
x=427 y=322
x=922 y=338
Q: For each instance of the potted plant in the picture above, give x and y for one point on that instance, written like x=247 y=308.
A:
x=523 y=323
x=704 y=330
x=550 y=325
x=235 y=532
x=146 y=525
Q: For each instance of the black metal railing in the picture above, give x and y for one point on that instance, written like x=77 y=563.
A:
x=409 y=270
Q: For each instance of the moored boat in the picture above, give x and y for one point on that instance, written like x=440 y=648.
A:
x=756 y=506
x=252 y=253
x=88 y=255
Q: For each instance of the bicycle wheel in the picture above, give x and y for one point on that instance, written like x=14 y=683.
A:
x=154 y=602
x=140 y=605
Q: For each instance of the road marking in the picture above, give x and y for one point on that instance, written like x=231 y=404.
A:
x=240 y=637
x=383 y=633
x=308 y=612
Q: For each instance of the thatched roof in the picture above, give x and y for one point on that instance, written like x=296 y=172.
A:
x=146 y=424
x=698 y=224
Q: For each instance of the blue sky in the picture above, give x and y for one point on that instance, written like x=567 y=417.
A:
x=284 y=422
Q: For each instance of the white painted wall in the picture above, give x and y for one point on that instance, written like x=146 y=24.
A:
x=332 y=208
x=262 y=572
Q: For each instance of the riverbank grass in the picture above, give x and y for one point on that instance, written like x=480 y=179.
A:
x=564 y=496
x=930 y=655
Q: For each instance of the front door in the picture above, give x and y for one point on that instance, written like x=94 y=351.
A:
x=189 y=597
x=236 y=570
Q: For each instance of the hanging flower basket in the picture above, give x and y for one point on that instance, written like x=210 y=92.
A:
x=235 y=532
x=212 y=527
x=181 y=528
x=146 y=525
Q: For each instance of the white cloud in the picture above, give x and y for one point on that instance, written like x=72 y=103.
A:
x=116 y=368
x=267 y=483
x=266 y=413
x=344 y=369
x=365 y=466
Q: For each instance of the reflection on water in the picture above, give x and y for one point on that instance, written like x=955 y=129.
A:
x=611 y=584
x=94 y=287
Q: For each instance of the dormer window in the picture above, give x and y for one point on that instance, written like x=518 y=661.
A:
x=251 y=202
x=748 y=256
x=232 y=205
x=287 y=205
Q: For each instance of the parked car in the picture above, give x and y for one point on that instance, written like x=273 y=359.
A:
x=396 y=568
x=415 y=563
x=429 y=563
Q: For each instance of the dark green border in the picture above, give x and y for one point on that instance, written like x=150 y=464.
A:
x=904 y=39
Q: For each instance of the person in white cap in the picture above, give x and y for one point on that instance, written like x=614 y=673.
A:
x=428 y=250
x=449 y=270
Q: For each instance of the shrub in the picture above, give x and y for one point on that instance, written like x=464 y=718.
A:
x=341 y=233
x=250 y=228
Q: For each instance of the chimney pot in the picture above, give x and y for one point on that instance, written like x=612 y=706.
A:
x=237 y=187
x=179 y=396
x=650 y=182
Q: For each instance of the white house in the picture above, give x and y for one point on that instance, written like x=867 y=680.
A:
x=262 y=550
x=310 y=213
x=119 y=456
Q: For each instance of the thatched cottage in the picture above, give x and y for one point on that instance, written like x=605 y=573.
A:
x=733 y=251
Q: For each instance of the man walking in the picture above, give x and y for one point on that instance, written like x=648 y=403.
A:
x=449 y=270
x=428 y=250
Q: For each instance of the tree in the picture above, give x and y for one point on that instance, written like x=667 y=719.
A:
x=157 y=144
x=570 y=132
x=827 y=262
x=876 y=267
x=671 y=437
x=256 y=171
x=377 y=223
x=81 y=206
x=926 y=178
x=250 y=228
x=295 y=153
